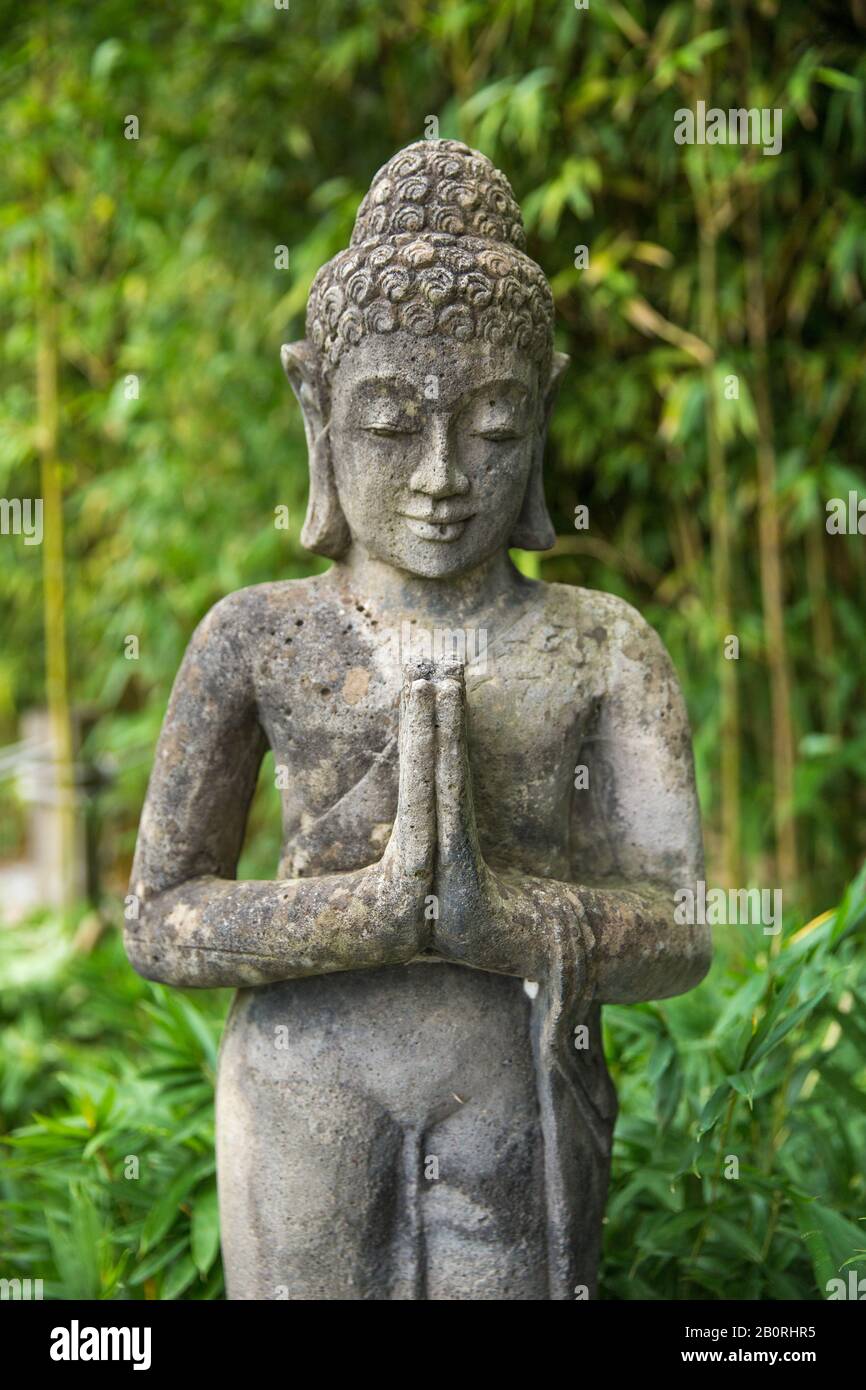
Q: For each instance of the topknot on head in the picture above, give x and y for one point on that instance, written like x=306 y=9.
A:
x=437 y=248
x=440 y=186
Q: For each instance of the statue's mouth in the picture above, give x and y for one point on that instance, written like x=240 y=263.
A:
x=450 y=530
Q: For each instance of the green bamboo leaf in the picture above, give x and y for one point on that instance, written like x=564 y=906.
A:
x=713 y=1110
x=145 y=1269
x=743 y=1083
x=737 y=1237
x=660 y=1058
x=833 y=1242
x=205 y=1229
x=785 y=1026
x=842 y=81
x=178 y=1278
x=851 y=912
x=165 y=1209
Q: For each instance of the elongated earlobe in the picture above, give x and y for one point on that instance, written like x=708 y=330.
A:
x=533 y=529
x=325 y=530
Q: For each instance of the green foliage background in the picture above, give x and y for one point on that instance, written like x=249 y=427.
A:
x=259 y=128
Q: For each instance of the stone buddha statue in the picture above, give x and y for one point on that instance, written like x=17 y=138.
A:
x=412 y=1099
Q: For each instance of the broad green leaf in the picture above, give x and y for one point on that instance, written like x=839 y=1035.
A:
x=205 y=1229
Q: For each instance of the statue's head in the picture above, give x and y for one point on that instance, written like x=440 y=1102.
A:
x=428 y=373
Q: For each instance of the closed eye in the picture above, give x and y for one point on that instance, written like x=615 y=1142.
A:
x=497 y=434
x=387 y=431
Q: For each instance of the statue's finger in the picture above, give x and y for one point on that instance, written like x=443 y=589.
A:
x=450 y=668
x=455 y=816
x=416 y=811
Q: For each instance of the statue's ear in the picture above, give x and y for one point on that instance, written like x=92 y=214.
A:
x=325 y=529
x=557 y=370
x=299 y=365
x=533 y=529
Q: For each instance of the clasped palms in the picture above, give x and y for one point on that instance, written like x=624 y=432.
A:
x=433 y=855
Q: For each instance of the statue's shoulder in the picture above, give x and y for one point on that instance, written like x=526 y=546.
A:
x=247 y=617
x=614 y=626
x=573 y=605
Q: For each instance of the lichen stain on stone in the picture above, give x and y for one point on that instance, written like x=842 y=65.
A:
x=379 y=835
x=356 y=685
x=324 y=783
x=185 y=918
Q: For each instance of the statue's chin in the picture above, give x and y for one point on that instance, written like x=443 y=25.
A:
x=433 y=559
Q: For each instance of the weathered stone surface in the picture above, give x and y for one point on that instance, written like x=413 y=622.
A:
x=427 y=707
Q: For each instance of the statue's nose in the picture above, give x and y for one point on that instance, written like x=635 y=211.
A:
x=438 y=474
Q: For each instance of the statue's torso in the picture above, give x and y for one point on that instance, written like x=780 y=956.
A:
x=326 y=678
x=365 y=1076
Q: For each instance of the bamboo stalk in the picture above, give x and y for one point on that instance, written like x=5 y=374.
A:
x=770 y=554
x=53 y=580
x=720 y=527
x=720 y=542
x=821 y=621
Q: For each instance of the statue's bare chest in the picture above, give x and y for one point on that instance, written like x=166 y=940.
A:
x=329 y=704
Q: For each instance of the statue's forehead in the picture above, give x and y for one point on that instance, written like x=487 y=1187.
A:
x=432 y=370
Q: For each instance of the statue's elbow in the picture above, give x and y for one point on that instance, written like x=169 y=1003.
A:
x=153 y=952
x=150 y=939
x=147 y=954
x=683 y=967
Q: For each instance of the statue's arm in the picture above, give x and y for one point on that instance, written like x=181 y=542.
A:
x=636 y=830
x=636 y=839
x=195 y=924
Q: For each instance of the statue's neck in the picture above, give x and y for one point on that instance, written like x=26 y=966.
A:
x=494 y=585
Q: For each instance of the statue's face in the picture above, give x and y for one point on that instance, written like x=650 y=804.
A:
x=432 y=443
